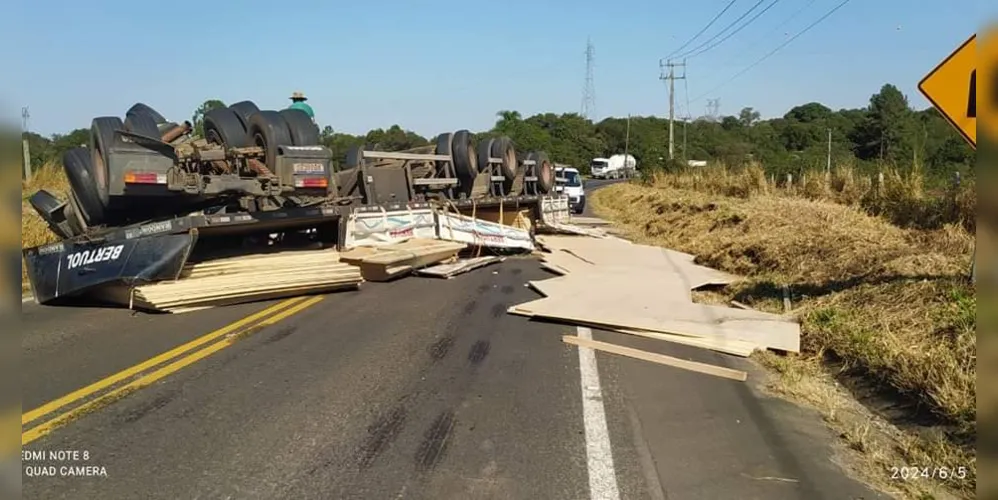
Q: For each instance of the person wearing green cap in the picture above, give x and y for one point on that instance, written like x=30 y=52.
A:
x=298 y=102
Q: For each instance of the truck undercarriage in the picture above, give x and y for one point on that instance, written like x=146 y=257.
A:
x=146 y=197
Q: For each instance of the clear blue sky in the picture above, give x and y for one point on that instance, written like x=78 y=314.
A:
x=443 y=65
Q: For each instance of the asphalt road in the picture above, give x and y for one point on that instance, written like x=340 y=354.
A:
x=420 y=388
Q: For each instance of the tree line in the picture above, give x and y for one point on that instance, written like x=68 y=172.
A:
x=885 y=133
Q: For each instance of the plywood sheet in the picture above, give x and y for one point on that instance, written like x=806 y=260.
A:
x=695 y=320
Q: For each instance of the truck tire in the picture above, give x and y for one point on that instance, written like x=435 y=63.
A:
x=245 y=109
x=503 y=148
x=465 y=159
x=303 y=130
x=268 y=130
x=143 y=109
x=484 y=153
x=544 y=171
x=222 y=126
x=78 y=167
x=74 y=216
x=140 y=121
x=445 y=142
x=102 y=137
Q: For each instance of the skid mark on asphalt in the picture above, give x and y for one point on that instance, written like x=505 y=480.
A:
x=498 y=310
x=440 y=348
x=281 y=334
x=380 y=435
x=469 y=308
x=479 y=350
x=434 y=445
x=141 y=410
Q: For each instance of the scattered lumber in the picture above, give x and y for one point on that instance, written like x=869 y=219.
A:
x=589 y=221
x=462 y=266
x=237 y=280
x=385 y=263
x=661 y=359
x=642 y=290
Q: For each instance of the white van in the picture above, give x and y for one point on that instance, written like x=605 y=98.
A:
x=569 y=182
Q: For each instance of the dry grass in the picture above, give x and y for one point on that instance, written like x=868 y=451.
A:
x=34 y=231
x=883 y=302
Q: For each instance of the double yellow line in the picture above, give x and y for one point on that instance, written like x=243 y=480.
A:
x=231 y=332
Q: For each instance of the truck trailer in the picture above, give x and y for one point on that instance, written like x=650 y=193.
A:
x=146 y=196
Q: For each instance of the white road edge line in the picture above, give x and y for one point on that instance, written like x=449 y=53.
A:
x=599 y=454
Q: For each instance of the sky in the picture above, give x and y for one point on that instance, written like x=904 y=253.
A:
x=436 y=66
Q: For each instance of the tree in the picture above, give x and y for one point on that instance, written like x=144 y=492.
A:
x=748 y=116
x=198 y=118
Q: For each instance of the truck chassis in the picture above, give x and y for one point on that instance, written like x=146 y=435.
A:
x=452 y=175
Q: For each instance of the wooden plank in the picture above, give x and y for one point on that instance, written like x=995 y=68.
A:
x=661 y=359
x=694 y=320
x=459 y=267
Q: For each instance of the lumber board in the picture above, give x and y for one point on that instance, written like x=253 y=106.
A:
x=688 y=319
x=459 y=267
x=379 y=272
x=661 y=359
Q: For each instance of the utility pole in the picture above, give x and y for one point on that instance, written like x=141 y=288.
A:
x=25 y=150
x=627 y=143
x=671 y=77
x=828 y=160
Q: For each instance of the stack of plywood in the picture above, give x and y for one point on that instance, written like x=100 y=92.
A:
x=246 y=279
x=612 y=284
x=384 y=263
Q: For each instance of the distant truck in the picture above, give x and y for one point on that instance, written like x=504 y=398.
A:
x=614 y=167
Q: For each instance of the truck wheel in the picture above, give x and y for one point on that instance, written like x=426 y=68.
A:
x=543 y=170
x=303 y=131
x=444 y=147
x=77 y=164
x=143 y=109
x=503 y=148
x=465 y=160
x=222 y=126
x=102 y=137
x=268 y=130
x=244 y=109
x=140 y=121
x=484 y=153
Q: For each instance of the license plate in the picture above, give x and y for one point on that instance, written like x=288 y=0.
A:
x=308 y=168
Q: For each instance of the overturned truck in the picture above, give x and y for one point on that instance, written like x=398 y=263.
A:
x=147 y=196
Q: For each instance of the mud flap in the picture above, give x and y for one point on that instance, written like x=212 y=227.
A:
x=71 y=269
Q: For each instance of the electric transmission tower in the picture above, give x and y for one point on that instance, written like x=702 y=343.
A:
x=713 y=105
x=589 y=90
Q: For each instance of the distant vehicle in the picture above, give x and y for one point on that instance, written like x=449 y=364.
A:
x=614 y=167
x=569 y=182
x=696 y=163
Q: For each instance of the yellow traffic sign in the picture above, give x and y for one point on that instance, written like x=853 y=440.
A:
x=952 y=88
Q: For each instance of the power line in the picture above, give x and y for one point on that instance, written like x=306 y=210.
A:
x=733 y=33
x=705 y=28
x=770 y=33
x=774 y=51
x=726 y=28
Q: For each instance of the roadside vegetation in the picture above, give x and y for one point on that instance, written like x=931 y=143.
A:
x=878 y=274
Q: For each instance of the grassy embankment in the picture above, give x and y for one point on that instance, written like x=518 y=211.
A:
x=878 y=278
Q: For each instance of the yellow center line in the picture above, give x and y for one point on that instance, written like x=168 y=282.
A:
x=47 y=427
x=102 y=384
